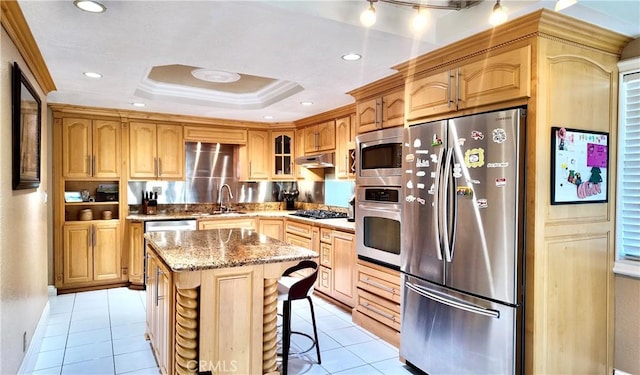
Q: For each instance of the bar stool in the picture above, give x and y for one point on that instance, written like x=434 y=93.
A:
x=294 y=288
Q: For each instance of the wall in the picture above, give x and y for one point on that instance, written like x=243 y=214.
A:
x=627 y=290
x=23 y=230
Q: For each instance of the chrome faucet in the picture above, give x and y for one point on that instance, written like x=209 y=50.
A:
x=220 y=197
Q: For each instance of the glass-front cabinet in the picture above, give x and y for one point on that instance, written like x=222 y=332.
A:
x=282 y=142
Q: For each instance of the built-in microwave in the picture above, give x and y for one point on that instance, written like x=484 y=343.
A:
x=378 y=226
x=379 y=159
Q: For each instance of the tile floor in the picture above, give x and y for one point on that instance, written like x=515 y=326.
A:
x=102 y=332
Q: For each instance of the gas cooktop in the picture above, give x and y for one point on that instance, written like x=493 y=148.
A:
x=320 y=214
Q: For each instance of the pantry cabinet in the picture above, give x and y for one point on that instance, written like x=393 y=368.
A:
x=156 y=151
x=380 y=112
x=497 y=78
x=320 y=137
x=91 y=148
x=91 y=252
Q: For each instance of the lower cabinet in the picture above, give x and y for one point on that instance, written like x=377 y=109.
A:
x=91 y=253
x=135 y=234
x=159 y=306
x=377 y=306
x=273 y=228
x=225 y=223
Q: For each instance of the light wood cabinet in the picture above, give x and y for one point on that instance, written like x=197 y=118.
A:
x=382 y=112
x=282 y=153
x=156 y=151
x=497 y=78
x=91 y=252
x=135 y=232
x=273 y=228
x=345 y=148
x=320 y=137
x=91 y=148
x=160 y=321
x=344 y=267
x=258 y=152
x=226 y=223
x=378 y=297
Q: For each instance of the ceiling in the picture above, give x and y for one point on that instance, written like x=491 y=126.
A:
x=295 y=44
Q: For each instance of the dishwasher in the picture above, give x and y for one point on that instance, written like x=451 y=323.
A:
x=161 y=226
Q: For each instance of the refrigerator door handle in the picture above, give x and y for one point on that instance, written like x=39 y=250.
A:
x=438 y=206
x=446 y=212
x=445 y=300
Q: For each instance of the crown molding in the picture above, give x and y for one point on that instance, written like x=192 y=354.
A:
x=333 y=114
x=14 y=23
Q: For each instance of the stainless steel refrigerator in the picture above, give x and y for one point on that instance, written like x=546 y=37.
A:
x=463 y=244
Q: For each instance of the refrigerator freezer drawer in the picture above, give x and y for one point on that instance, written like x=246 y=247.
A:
x=446 y=332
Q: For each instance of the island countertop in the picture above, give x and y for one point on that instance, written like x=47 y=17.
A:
x=222 y=248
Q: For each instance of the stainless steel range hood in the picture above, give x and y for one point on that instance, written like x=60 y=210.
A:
x=316 y=161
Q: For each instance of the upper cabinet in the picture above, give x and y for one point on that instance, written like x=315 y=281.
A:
x=381 y=112
x=282 y=154
x=90 y=148
x=156 y=151
x=320 y=137
x=502 y=77
x=345 y=148
x=258 y=155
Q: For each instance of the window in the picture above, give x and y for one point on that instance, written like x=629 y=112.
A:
x=628 y=190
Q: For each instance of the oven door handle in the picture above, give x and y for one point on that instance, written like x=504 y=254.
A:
x=377 y=208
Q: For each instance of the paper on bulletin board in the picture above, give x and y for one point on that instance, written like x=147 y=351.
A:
x=579 y=166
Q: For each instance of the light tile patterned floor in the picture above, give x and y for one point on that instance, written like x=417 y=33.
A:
x=102 y=332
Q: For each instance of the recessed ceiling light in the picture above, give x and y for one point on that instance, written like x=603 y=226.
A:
x=137 y=104
x=306 y=103
x=268 y=117
x=351 y=57
x=93 y=74
x=90 y=6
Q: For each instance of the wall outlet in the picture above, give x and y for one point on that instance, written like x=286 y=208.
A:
x=24 y=341
x=157 y=189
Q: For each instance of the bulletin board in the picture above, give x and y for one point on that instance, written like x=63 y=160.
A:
x=579 y=166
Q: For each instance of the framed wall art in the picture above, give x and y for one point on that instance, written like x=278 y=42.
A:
x=579 y=166
x=25 y=115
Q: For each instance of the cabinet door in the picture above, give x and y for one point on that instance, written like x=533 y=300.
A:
x=76 y=148
x=150 y=283
x=106 y=149
x=343 y=134
x=170 y=152
x=495 y=79
x=163 y=320
x=430 y=95
x=273 y=228
x=107 y=264
x=282 y=154
x=77 y=253
x=323 y=283
x=326 y=255
x=311 y=139
x=393 y=109
x=258 y=149
x=367 y=115
x=327 y=136
x=136 y=254
x=143 y=161
x=344 y=268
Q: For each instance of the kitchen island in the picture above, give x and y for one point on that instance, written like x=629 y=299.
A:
x=212 y=299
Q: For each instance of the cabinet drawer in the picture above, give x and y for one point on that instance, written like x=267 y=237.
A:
x=325 y=235
x=380 y=309
x=324 y=280
x=382 y=283
x=300 y=229
x=246 y=223
x=298 y=240
x=326 y=255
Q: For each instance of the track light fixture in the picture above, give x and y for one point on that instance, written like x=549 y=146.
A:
x=421 y=18
x=562 y=4
x=498 y=16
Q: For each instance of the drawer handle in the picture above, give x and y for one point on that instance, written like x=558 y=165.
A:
x=378 y=311
x=368 y=281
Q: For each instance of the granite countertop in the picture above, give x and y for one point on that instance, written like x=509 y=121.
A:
x=222 y=248
x=341 y=224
